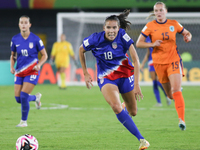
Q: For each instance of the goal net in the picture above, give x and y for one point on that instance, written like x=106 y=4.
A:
x=77 y=26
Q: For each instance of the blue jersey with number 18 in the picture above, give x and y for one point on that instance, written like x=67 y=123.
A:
x=27 y=53
x=111 y=56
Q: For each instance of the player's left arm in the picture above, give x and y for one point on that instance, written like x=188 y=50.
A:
x=44 y=57
x=187 y=36
x=136 y=62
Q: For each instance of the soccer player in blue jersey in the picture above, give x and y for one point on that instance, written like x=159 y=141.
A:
x=25 y=47
x=153 y=75
x=115 y=72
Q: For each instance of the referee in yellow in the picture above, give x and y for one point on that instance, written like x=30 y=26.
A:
x=61 y=53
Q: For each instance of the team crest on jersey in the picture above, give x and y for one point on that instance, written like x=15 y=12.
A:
x=31 y=45
x=114 y=45
x=171 y=28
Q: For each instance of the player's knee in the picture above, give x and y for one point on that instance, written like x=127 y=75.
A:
x=133 y=113
x=175 y=89
x=170 y=96
x=116 y=108
x=17 y=99
x=23 y=97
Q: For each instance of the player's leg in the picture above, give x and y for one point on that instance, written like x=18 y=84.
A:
x=29 y=83
x=24 y=96
x=18 y=87
x=33 y=79
x=168 y=100
x=161 y=72
x=155 y=88
x=175 y=80
x=111 y=95
x=126 y=90
x=62 y=77
x=175 y=72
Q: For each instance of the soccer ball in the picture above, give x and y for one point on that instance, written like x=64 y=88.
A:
x=27 y=142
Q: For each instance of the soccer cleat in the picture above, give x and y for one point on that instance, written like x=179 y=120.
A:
x=144 y=144
x=182 y=125
x=158 y=105
x=168 y=100
x=22 y=124
x=37 y=101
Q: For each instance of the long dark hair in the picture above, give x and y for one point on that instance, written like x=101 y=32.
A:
x=121 y=19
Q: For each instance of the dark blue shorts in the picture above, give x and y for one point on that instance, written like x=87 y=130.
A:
x=31 y=79
x=151 y=68
x=124 y=84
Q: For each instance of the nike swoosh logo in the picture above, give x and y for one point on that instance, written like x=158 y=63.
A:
x=17 y=45
x=99 y=48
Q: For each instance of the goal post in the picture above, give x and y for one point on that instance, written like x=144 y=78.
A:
x=77 y=26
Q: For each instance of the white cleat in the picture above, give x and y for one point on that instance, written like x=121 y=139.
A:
x=22 y=124
x=168 y=100
x=158 y=105
x=182 y=125
x=37 y=101
x=144 y=144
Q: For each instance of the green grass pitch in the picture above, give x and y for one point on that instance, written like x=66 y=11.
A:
x=80 y=119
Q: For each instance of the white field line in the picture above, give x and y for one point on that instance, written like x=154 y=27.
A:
x=60 y=106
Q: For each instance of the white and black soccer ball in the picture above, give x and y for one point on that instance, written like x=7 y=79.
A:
x=27 y=142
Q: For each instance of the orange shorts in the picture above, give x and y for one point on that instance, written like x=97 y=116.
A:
x=163 y=71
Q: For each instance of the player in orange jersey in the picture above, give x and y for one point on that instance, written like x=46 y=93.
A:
x=166 y=58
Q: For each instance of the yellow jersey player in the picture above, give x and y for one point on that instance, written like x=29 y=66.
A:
x=61 y=53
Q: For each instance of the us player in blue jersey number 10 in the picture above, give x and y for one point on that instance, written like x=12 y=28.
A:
x=25 y=47
x=115 y=72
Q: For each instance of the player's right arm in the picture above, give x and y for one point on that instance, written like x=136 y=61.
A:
x=146 y=31
x=142 y=44
x=12 y=62
x=88 y=78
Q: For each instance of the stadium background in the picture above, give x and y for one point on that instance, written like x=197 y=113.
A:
x=43 y=18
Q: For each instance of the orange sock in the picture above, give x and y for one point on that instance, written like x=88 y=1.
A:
x=179 y=104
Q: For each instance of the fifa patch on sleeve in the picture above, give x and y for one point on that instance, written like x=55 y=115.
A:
x=11 y=44
x=180 y=24
x=86 y=43
x=41 y=43
x=126 y=37
x=144 y=28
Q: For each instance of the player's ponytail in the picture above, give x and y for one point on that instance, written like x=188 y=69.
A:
x=121 y=19
x=124 y=24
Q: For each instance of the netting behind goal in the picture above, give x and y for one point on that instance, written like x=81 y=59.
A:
x=77 y=26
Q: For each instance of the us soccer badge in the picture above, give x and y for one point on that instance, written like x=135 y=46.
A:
x=31 y=45
x=114 y=45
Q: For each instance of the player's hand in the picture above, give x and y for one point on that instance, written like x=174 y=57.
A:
x=76 y=63
x=157 y=43
x=187 y=38
x=50 y=61
x=138 y=93
x=12 y=70
x=36 y=67
x=88 y=81
x=141 y=68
